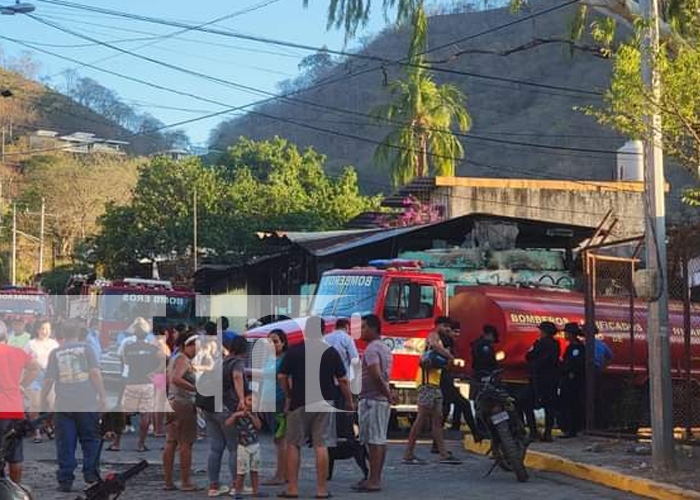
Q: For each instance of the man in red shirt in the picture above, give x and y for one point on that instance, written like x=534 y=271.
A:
x=17 y=371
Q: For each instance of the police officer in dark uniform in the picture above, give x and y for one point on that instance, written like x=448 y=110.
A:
x=573 y=382
x=483 y=354
x=543 y=361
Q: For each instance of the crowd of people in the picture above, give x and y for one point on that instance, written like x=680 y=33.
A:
x=164 y=381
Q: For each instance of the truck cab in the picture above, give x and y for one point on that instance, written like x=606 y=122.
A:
x=25 y=303
x=406 y=300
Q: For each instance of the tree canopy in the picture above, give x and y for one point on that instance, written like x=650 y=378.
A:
x=627 y=101
x=258 y=186
x=76 y=189
x=422 y=115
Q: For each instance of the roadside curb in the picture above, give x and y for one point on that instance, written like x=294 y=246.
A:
x=632 y=484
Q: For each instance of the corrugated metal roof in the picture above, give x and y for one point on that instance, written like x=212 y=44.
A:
x=304 y=236
x=322 y=244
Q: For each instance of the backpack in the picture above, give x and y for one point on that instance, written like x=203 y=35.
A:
x=432 y=360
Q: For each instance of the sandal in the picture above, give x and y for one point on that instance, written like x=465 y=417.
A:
x=324 y=497
x=414 y=461
x=114 y=448
x=218 y=491
x=170 y=488
x=142 y=449
x=284 y=494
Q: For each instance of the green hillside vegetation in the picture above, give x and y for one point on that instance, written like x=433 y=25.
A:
x=35 y=106
x=503 y=111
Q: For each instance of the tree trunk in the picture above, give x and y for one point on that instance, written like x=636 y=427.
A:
x=626 y=11
x=422 y=164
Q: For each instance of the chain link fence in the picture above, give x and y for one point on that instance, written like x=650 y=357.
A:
x=617 y=396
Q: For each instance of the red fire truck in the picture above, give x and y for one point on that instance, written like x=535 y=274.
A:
x=22 y=302
x=117 y=303
x=407 y=301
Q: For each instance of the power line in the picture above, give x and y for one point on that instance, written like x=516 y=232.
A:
x=490 y=85
x=499 y=169
x=113 y=73
x=148 y=35
x=172 y=34
x=269 y=116
x=254 y=90
x=316 y=86
x=372 y=58
x=277 y=118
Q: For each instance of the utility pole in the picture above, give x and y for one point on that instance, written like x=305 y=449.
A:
x=14 y=244
x=194 y=224
x=41 y=236
x=660 y=387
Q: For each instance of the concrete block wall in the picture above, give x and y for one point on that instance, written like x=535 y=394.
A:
x=585 y=207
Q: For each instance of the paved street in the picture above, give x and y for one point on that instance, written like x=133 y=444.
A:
x=402 y=481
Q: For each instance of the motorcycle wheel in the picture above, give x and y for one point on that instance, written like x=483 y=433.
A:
x=512 y=452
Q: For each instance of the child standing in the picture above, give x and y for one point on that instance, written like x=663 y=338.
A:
x=247 y=425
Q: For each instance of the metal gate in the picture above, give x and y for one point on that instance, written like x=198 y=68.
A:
x=619 y=402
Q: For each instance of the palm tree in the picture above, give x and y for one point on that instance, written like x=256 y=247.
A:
x=349 y=15
x=422 y=115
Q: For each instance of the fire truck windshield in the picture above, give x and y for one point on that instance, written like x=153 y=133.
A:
x=19 y=303
x=119 y=306
x=356 y=293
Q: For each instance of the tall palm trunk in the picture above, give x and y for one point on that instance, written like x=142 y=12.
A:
x=422 y=153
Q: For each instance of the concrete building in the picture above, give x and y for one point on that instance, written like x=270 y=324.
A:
x=581 y=203
x=175 y=154
x=77 y=143
x=295 y=261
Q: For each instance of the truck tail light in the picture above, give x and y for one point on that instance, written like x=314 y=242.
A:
x=500 y=356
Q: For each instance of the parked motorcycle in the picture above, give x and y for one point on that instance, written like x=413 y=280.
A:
x=497 y=414
x=112 y=486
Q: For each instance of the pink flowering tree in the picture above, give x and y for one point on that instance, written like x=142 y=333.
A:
x=415 y=213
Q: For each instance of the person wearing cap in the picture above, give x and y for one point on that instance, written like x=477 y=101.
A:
x=483 y=354
x=129 y=335
x=573 y=382
x=142 y=361
x=543 y=361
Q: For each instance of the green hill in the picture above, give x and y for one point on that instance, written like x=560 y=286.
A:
x=503 y=111
x=34 y=106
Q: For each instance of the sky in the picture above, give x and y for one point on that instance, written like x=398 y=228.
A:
x=249 y=63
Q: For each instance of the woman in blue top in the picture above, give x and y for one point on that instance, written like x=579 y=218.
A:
x=277 y=421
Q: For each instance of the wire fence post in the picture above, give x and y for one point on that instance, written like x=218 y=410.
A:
x=589 y=330
x=687 y=332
